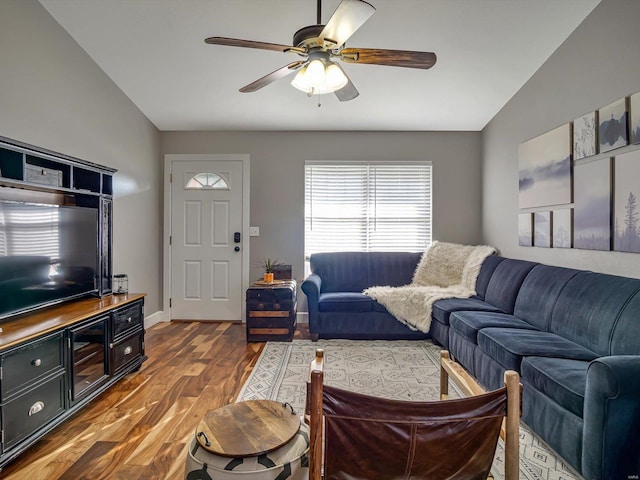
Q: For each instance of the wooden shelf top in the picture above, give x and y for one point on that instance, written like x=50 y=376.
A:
x=47 y=320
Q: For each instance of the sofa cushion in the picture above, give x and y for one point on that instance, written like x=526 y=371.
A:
x=345 y=302
x=561 y=379
x=355 y=271
x=442 y=308
x=467 y=324
x=505 y=283
x=626 y=334
x=509 y=345
x=589 y=307
x=539 y=293
x=391 y=268
x=341 y=271
x=488 y=267
x=378 y=307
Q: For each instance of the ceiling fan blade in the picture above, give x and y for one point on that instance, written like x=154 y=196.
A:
x=348 y=17
x=272 y=77
x=393 y=58
x=349 y=91
x=236 y=42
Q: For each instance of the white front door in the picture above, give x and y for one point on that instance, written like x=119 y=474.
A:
x=206 y=240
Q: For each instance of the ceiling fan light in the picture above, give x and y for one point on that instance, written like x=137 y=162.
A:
x=335 y=78
x=315 y=74
x=316 y=79
x=300 y=81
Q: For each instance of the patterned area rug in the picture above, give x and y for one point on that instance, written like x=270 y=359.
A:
x=405 y=370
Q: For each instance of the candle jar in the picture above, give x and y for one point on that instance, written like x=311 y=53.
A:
x=120 y=283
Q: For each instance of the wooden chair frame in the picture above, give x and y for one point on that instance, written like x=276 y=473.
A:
x=449 y=369
x=510 y=432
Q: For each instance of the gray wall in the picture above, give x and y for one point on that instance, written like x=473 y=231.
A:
x=597 y=64
x=54 y=96
x=277 y=178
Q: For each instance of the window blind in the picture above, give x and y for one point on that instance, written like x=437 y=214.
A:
x=374 y=206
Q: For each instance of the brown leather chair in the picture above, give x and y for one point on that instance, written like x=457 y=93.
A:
x=360 y=437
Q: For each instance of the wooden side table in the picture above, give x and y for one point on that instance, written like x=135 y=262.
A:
x=271 y=311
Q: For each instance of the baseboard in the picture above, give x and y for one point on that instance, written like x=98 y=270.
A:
x=151 y=320
x=159 y=316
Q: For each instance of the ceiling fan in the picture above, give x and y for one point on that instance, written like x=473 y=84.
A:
x=320 y=44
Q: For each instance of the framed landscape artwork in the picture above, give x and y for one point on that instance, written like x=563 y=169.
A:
x=592 y=205
x=612 y=130
x=634 y=104
x=542 y=229
x=562 y=221
x=525 y=231
x=545 y=169
x=626 y=203
x=584 y=136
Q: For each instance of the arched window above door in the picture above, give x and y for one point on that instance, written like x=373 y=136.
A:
x=211 y=181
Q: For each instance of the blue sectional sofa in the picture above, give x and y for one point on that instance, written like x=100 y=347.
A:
x=573 y=335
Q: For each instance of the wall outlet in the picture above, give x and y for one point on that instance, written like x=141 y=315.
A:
x=254 y=231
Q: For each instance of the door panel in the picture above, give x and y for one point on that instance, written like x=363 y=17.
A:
x=220 y=275
x=192 y=280
x=206 y=210
x=193 y=223
x=220 y=222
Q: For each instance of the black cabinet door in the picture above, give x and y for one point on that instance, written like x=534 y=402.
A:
x=89 y=367
x=106 y=260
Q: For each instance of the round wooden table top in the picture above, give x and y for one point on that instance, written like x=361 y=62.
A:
x=247 y=429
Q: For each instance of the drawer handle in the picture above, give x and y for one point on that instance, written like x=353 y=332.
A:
x=128 y=350
x=36 y=363
x=36 y=407
x=129 y=320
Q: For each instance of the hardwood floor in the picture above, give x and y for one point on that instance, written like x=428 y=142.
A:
x=139 y=429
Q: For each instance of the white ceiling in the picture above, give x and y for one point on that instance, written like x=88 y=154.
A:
x=154 y=51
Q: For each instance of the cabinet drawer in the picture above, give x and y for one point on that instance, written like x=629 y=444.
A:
x=263 y=329
x=31 y=411
x=127 y=318
x=283 y=305
x=126 y=351
x=30 y=362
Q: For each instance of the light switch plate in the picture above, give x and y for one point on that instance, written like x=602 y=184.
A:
x=254 y=231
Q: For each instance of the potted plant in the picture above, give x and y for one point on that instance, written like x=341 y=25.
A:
x=268 y=264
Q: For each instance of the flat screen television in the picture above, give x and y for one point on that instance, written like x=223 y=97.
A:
x=48 y=254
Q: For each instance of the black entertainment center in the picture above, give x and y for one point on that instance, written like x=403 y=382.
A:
x=64 y=338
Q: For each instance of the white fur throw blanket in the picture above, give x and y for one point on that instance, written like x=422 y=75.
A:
x=446 y=270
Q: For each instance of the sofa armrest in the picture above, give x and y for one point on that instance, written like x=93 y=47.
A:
x=611 y=444
x=311 y=288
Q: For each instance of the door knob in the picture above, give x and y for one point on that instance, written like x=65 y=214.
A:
x=236 y=249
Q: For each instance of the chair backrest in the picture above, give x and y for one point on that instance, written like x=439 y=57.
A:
x=368 y=437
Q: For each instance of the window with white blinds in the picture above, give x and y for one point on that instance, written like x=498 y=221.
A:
x=373 y=206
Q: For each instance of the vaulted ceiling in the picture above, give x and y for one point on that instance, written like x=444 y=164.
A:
x=154 y=51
